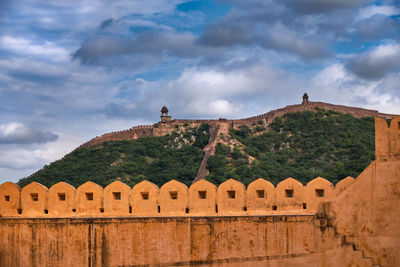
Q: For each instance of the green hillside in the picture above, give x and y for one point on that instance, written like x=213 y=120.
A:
x=301 y=145
x=157 y=159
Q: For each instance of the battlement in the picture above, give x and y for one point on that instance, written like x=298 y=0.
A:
x=387 y=138
x=173 y=199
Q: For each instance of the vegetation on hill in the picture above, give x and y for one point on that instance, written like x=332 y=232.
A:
x=302 y=145
x=157 y=159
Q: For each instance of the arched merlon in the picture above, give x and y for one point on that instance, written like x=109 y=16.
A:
x=173 y=198
x=395 y=136
x=61 y=200
x=116 y=199
x=343 y=184
x=387 y=139
x=260 y=196
x=89 y=200
x=9 y=199
x=34 y=200
x=317 y=191
x=382 y=147
x=289 y=195
x=231 y=198
x=144 y=199
x=202 y=198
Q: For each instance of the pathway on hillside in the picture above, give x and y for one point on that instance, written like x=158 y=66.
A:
x=216 y=128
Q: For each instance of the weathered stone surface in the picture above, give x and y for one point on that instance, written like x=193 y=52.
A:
x=191 y=241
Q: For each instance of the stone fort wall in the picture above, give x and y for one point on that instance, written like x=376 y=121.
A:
x=293 y=240
x=173 y=199
x=160 y=128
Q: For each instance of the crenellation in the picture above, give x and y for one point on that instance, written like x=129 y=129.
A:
x=174 y=198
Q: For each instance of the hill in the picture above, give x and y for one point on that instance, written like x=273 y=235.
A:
x=302 y=145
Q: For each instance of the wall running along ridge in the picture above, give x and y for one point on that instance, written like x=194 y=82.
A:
x=355 y=223
x=159 y=129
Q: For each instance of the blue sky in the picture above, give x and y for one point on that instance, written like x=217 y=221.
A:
x=72 y=70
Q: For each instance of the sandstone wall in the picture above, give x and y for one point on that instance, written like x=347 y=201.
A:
x=174 y=241
x=367 y=211
x=172 y=199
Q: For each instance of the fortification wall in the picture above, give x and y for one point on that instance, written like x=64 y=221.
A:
x=367 y=210
x=267 y=118
x=175 y=241
x=159 y=129
x=130 y=134
x=172 y=199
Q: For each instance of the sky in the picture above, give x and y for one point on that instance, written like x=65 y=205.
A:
x=73 y=70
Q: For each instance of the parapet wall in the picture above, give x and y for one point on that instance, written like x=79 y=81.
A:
x=172 y=199
x=311 y=106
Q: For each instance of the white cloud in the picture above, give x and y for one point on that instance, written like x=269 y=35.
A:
x=18 y=133
x=30 y=157
x=375 y=63
x=369 y=11
x=83 y=15
x=23 y=46
x=335 y=84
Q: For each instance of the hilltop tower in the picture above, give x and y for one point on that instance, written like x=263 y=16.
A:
x=164 y=115
x=305 y=99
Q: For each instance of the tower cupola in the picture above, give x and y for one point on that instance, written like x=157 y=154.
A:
x=164 y=115
x=305 y=98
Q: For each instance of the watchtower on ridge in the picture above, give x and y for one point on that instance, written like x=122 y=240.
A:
x=164 y=115
x=305 y=99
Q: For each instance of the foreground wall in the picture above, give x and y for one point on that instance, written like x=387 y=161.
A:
x=179 y=241
x=367 y=212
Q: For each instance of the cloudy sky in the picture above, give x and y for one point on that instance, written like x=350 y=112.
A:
x=71 y=70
